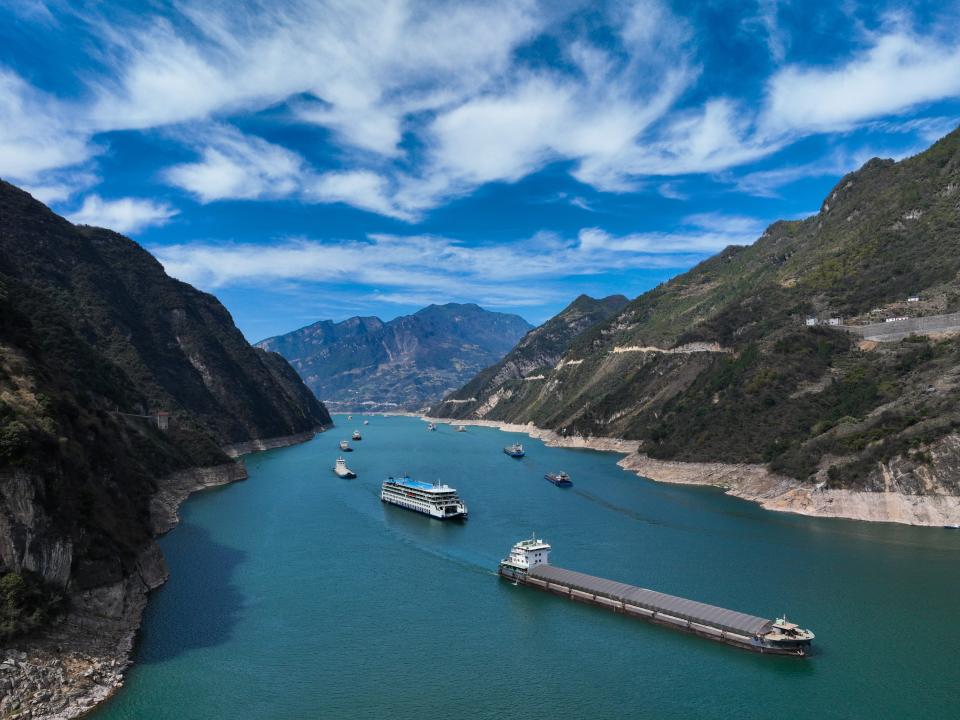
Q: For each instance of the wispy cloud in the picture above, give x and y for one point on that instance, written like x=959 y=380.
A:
x=36 y=132
x=417 y=104
x=398 y=268
x=124 y=215
x=236 y=166
x=898 y=71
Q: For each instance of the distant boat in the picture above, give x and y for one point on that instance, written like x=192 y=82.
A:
x=341 y=469
x=432 y=427
x=952 y=527
x=366 y=422
x=461 y=428
x=560 y=479
x=356 y=435
x=349 y=417
x=345 y=446
x=515 y=450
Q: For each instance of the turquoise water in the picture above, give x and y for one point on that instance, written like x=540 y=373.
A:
x=296 y=594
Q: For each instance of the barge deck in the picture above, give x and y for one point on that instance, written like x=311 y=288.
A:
x=778 y=637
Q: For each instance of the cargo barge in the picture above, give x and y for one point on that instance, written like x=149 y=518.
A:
x=529 y=564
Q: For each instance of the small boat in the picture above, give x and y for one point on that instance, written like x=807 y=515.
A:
x=461 y=428
x=515 y=450
x=356 y=435
x=560 y=479
x=952 y=527
x=341 y=469
x=349 y=417
x=431 y=427
x=345 y=446
x=366 y=422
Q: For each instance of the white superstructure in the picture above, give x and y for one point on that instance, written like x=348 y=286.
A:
x=439 y=501
x=341 y=469
x=526 y=554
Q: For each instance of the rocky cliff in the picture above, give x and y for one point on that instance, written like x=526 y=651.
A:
x=736 y=362
x=113 y=378
x=366 y=364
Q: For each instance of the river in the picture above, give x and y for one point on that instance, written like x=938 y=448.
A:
x=296 y=594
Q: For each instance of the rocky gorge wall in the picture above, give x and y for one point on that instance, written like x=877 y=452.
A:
x=67 y=670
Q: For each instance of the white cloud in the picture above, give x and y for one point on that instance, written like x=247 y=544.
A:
x=234 y=165
x=708 y=234
x=741 y=226
x=398 y=268
x=360 y=188
x=124 y=215
x=237 y=166
x=425 y=102
x=56 y=186
x=36 y=134
x=899 y=71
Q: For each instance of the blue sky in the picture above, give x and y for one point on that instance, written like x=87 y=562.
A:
x=326 y=159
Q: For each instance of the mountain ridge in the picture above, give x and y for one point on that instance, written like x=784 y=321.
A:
x=718 y=365
x=96 y=341
x=364 y=362
x=539 y=349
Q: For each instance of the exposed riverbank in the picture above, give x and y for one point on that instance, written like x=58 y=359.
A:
x=782 y=494
x=67 y=671
x=753 y=482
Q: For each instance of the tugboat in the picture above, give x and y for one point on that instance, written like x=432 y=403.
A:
x=341 y=469
x=560 y=479
x=461 y=428
x=515 y=450
x=345 y=446
x=356 y=435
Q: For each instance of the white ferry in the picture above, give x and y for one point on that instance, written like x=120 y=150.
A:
x=341 y=469
x=438 y=501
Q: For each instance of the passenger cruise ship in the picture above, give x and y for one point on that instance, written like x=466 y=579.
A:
x=439 y=501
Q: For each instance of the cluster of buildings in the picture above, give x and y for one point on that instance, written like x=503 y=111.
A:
x=813 y=321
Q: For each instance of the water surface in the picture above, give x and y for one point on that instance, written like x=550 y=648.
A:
x=296 y=594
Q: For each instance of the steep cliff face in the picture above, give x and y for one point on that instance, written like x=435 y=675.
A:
x=719 y=364
x=513 y=379
x=95 y=339
x=365 y=363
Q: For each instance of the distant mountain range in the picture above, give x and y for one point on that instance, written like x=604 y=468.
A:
x=406 y=363
x=95 y=342
x=728 y=362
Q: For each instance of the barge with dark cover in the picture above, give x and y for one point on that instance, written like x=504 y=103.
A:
x=528 y=564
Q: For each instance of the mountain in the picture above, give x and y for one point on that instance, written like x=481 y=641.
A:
x=408 y=362
x=512 y=379
x=95 y=341
x=719 y=364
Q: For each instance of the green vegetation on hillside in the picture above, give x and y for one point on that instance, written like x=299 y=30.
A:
x=810 y=401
